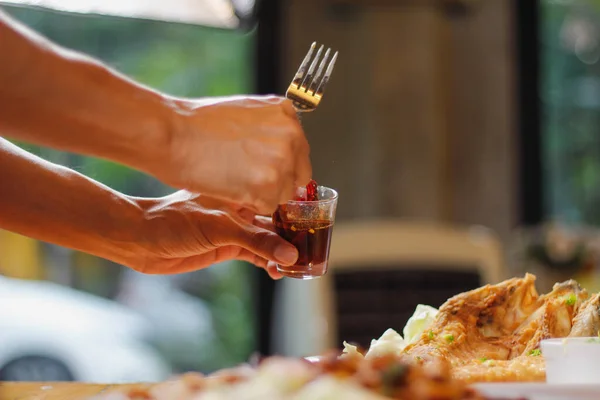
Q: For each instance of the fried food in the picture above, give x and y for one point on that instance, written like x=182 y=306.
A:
x=587 y=320
x=351 y=378
x=493 y=333
x=490 y=334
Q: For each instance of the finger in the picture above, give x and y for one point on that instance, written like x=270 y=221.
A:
x=272 y=271
x=264 y=193
x=188 y=264
x=261 y=221
x=301 y=154
x=219 y=255
x=259 y=241
x=253 y=209
x=269 y=266
x=248 y=256
x=247 y=214
x=288 y=109
x=285 y=160
x=265 y=207
x=302 y=164
x=288 y=188
x=264 y=223
x=228 y=253
x=303 y=173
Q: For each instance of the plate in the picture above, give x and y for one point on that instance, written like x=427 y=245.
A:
x=539 y=391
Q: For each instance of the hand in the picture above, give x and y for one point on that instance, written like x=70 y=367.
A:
x=246 y=150
x=184 y=232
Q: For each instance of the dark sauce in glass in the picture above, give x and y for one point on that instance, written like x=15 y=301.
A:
x=312 y=238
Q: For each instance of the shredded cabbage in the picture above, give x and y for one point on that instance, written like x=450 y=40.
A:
x=350 y=351
x=389 y=343
x=420 y=321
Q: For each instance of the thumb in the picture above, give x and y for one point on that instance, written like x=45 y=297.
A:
x=289 y=110
x=264 y=243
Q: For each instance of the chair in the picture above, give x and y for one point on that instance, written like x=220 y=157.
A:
x=379 y=271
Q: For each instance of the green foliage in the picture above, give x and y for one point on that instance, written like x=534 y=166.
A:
x=233 y=314
x=570 y=95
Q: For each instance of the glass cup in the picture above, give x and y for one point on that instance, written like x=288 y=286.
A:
x=308 y=225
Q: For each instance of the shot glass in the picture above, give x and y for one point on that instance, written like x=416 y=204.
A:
x=308 y=225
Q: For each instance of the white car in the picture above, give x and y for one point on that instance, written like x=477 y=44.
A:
x=50 y=332
x=186 y=337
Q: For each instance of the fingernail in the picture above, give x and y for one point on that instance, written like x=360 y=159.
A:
x=286 y=254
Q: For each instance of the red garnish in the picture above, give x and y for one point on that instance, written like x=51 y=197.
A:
x=311 y=191
x=310 y=194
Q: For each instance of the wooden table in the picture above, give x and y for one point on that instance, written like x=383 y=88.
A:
x=57 y=390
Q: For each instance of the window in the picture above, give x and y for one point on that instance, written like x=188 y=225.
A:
x=203 y=320
x=570 y=109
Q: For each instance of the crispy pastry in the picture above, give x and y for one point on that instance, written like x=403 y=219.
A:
x=493 y=333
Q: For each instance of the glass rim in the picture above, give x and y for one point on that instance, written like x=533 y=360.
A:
x=324 y=201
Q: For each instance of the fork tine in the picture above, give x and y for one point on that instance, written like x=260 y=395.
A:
x=299 y=77
x=311 y=70
x=316 y=80
x=321 y=88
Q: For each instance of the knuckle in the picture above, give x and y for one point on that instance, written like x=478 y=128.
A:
x=283 y=163
x=145 y=266
x=266 y=177
x=261 y=238
x=288 y=192
x=274 y=99
x=266 y=205
x=308 y=168
x=284 y=154
x=278 y=149
x=304 y=174
x=304 y=145
x=295 y=133
x=219 y=232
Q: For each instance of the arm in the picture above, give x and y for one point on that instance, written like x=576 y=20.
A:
x=59 y=98
x=57 y=205
x=177 y=233
x=250 y=151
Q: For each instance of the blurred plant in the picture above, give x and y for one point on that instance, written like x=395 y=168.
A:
x=570 y=96
x=555 y=252
x=558 y=247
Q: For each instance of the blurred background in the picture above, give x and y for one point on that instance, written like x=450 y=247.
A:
x=462 y=137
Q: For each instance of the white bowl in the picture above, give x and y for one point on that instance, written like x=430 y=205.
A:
x=572 y=360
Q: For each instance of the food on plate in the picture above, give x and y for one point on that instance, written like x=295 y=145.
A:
x=331 y=378
x=422 y=318
x=493 y=333
x=391 y=342
x=587 y=320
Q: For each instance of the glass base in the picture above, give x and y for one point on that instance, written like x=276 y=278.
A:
x=310 y=271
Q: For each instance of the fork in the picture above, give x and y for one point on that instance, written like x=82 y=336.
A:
x=306 y=89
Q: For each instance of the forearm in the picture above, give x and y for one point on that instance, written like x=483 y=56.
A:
x=58 y=98
x=57 y=205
